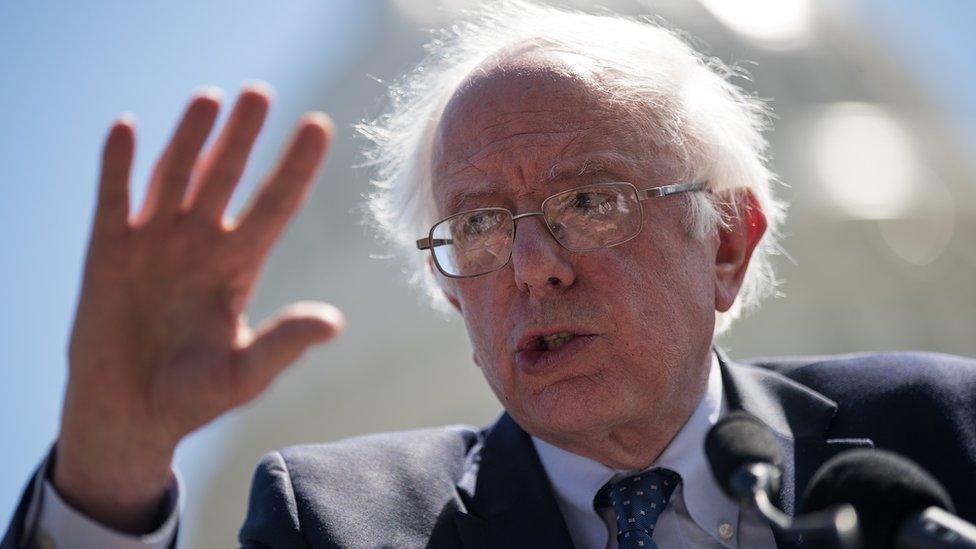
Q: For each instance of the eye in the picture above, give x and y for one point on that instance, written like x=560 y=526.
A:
x=592 y=202
x=479 y=223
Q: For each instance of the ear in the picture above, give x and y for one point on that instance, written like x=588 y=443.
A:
x=745 y=225
x=446 y=285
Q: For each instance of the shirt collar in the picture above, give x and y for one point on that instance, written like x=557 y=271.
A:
x=577 y=479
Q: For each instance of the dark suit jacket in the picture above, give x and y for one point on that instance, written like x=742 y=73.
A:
x=463 y=487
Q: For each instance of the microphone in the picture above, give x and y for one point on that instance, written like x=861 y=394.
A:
x=747 y=463
x=898 y=503
x=744 y=456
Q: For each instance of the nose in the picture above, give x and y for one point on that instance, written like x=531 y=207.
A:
x=540 y=263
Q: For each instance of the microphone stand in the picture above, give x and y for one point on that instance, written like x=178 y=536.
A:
x=833 y=527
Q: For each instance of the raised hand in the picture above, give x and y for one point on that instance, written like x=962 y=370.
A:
x=159 y=345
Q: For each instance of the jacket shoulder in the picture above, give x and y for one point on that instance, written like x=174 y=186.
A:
x=894 y=393
x=881 y=375
x=398 y=449
x=921 y=405
x=358 y=490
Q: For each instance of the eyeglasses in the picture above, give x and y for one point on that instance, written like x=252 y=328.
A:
x=591 y=217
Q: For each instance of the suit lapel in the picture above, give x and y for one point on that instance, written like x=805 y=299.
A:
x=507 y=499
x=800 y=419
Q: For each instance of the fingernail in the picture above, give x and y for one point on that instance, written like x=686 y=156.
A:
x=127 y=118
x=325 y=311
x=260 y=85
x=212 y=92
x=320 y=117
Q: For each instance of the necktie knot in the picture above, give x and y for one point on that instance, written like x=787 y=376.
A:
x=638 y=501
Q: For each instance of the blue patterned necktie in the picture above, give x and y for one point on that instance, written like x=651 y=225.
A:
x=638 y=501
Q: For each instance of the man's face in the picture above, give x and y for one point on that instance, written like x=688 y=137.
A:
x=639 y=315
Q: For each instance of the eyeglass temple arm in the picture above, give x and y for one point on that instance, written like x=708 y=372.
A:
x=428 y=243
x=667 y=190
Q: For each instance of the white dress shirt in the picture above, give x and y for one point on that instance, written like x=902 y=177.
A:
x=60 y=525
x=698 y=513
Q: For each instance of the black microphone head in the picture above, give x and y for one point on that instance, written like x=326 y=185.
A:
x=739 y=439
x=884 y=488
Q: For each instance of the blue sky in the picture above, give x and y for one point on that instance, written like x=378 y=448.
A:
x=933 y=39
x=69 y=69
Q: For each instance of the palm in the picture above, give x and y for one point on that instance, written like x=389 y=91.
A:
x=165 y=316
x=159 y=341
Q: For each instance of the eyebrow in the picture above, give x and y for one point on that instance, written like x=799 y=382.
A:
x=609 y=163
x=606 y=162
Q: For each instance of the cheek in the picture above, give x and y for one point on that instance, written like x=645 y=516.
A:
x=667 y=288
x=491 y=357
x=485 y=318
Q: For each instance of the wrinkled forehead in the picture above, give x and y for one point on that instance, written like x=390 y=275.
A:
x=524 y=121
x=545 y=89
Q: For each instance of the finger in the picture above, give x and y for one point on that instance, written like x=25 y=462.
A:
x=223 y=165
x=279 y=196
x=280 y=341
x=112 y=209
x=172 y=171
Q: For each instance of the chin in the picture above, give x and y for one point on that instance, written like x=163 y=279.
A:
x=573 y=406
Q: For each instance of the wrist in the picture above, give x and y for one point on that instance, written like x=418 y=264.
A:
x=115 y=478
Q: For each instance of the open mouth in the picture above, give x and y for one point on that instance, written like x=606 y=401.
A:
x=546 y=353
x=553 y=341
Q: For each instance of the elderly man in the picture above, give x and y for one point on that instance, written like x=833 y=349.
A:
x=591 y=196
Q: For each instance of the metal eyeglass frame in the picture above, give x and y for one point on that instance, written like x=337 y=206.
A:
x=429 y=242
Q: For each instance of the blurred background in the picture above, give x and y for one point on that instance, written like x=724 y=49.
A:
x=875 y=138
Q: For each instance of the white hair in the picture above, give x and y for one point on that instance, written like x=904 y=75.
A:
x=711 y=127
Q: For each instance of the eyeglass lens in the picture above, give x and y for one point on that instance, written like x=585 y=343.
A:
x=581 y=219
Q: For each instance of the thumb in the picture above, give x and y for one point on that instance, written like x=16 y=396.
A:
x=281 y=340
